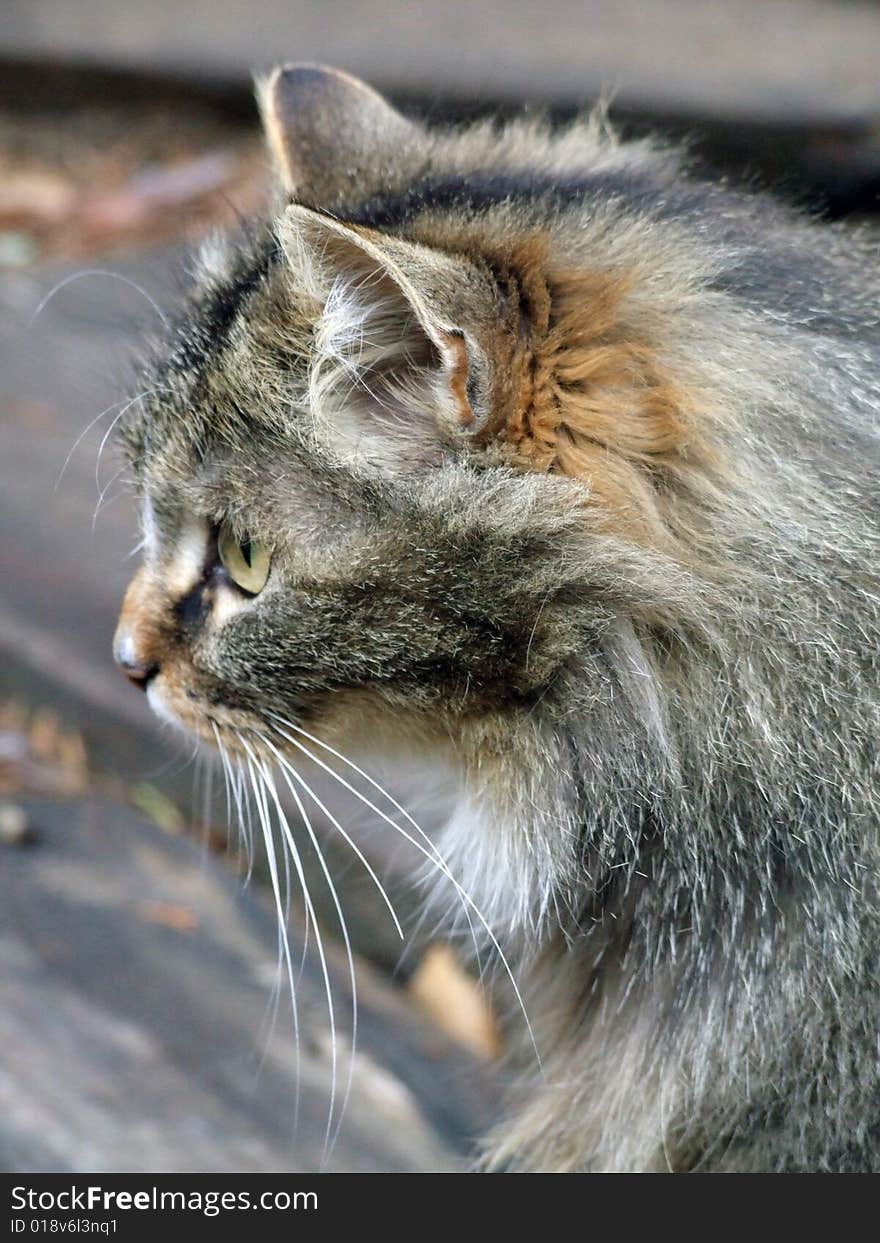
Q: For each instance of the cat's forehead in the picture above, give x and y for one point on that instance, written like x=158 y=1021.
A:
x=200 y=469
x=269 y=486
x=227 y=378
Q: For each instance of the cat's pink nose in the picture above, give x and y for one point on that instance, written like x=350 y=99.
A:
x=138 y=671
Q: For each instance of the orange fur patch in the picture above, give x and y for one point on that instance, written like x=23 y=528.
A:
x=581 y=395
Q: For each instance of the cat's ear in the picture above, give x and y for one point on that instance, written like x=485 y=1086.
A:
x=398 y=375
x=330 y=133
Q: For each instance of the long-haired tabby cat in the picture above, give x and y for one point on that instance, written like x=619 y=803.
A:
x=527 y=449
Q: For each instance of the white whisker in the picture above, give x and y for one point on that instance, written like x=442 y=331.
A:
x=283 y=939
x=126 y=404
x=100 y=503
x=227 y=781
x=433 y=855
x=241 y=795
x=85 y=431
x=285 y=765
x=270 y=1018
x=76 y=276
x=287 y=772
x=269 y=785
x=198 y=770
x=208 y=794
x=232 y=774
x=107 y=434
x=236 y=791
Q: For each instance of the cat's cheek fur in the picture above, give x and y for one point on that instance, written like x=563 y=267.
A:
x=149 y=530
x=161 y=703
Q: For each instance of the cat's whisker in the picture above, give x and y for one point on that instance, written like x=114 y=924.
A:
x=270 y=1017
x=351 y=971
x=208 y=793
x=107 y=434
x=416 y=938
x=233 y=803
x=435 y=853
x=198 y=770
x=433 y=856
x=288 y=768
x=287 y=771
x=103 y=494
x=241 y=798
x=227 y=781
x=244 y=819
x=123 y=493
x=307 y=922
x=268 y=784
x=85 y=431
x=77 y=276
x=126 y=404
x=283 y=938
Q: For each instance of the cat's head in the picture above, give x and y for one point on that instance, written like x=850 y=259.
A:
x=420 y=440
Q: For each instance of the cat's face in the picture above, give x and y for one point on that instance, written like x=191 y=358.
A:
x=362 y=458
x=276 y=582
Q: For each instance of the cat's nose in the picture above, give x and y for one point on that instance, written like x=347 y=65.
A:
x=134 y=644
x=140 y=672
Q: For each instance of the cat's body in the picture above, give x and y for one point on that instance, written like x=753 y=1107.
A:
x=568 y=467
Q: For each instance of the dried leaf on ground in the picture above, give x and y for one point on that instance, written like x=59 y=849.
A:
x=454 y=1000
x=168 y=915
x=38 y=755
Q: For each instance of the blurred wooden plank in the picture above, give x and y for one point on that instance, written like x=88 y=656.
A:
x=135 y=975
x=810 y=61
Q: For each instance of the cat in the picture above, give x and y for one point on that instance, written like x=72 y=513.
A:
x=527 y=449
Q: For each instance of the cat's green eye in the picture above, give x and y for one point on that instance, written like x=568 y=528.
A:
x=245 y=561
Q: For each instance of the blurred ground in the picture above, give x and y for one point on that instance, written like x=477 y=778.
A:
x=135 y=1029
x=131 y=956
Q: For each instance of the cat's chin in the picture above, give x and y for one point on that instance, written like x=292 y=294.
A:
x=184 y=715
x=161 y=709
x=186 y=723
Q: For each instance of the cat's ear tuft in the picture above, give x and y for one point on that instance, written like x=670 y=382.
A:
x=399 y=376
x=329 y=133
